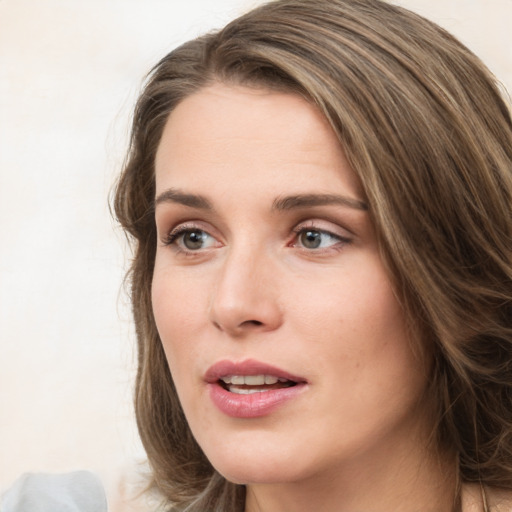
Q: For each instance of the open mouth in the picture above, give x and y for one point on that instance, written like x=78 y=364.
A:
x=251 y=388
x=248 y=384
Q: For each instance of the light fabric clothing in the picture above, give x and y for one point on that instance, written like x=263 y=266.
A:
x=79 y=491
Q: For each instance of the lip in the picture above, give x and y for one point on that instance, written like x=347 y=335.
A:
x=247 y=367
x=252 y=405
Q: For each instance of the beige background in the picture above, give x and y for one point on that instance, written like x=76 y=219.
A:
x=69 y=73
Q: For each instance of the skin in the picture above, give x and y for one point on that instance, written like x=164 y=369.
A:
x=355 y=438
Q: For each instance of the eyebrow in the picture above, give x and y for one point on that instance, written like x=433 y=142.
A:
x=173 y=195
x=312 y=200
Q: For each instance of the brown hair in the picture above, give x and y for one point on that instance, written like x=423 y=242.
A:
x=423 y=125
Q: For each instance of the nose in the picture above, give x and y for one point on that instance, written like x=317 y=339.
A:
x=245 y=298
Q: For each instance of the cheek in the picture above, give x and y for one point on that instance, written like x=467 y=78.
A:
x=172 y=310
x=179 y=298
x=176 y=309
x=354 y=300
x=358 y=328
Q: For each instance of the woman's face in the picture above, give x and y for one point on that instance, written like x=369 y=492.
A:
x=286 y=343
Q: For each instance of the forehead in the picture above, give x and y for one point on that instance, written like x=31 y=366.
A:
x=238 y=134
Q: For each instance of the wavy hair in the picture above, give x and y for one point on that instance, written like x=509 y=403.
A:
x=423 y=125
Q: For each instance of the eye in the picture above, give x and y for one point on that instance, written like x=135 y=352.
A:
x=315 y=239
x=312 y=238
x=190 y=239
x=195 y=239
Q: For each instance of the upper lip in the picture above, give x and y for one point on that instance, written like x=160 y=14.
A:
x=247 y=367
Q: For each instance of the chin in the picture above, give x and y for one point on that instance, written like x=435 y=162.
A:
x=264 y=474
x=258 y=463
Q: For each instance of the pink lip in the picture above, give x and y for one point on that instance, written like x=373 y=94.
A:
x=256 y=404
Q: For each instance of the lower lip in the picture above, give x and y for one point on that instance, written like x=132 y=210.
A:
x=253 y=405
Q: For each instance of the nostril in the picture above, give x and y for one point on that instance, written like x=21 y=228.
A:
x=253 y=322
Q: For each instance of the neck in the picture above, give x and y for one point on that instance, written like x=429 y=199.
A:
x=394 y=480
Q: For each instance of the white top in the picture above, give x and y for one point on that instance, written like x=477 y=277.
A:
x=79 y=491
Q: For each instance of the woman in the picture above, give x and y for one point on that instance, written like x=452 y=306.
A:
x=319 y=197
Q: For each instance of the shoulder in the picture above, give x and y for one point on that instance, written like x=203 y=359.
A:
x=476 y=498
x=79 y=491
x=499 y=500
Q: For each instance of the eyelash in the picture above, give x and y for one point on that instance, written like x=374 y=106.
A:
x=173 y=238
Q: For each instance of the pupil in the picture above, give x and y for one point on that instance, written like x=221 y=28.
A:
x=193 y=239
x=311 y=239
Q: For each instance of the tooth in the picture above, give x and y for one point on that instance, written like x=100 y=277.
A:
x=254 y=380
x=244 y=391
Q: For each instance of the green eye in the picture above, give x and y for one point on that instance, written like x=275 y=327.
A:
x=194 y=240
x=190 y=239
x=310 y=239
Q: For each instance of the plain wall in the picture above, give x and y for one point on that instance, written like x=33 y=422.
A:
x=69 y=74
